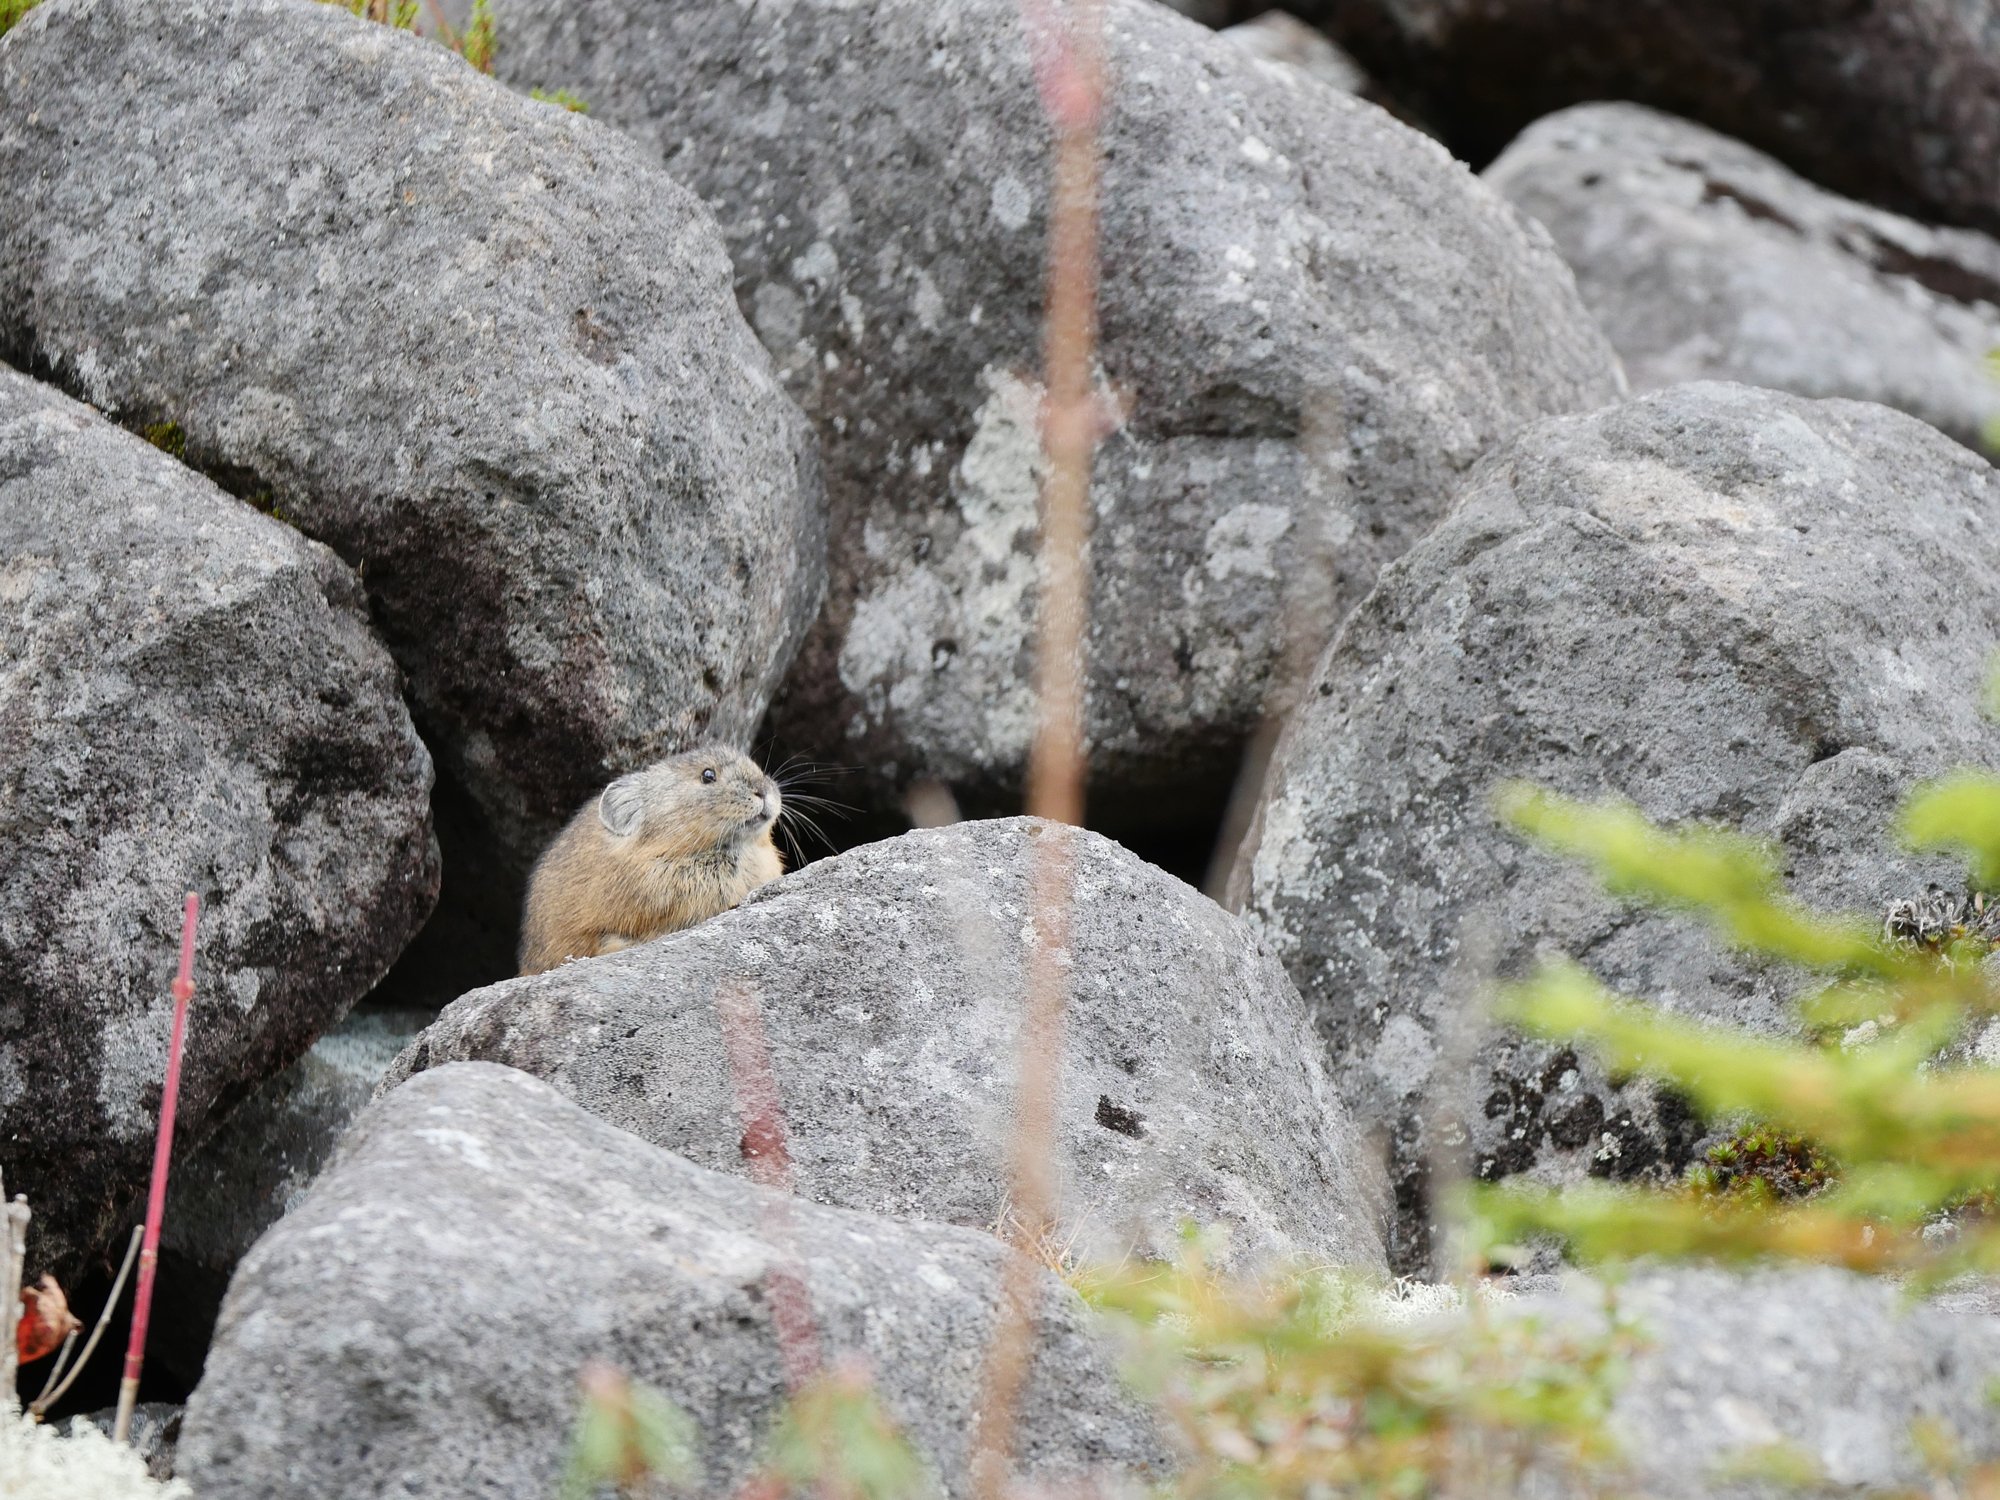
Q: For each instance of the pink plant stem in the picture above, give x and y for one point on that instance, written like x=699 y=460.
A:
x=766 y=1151
x=156 y=1198
x=1067 y=54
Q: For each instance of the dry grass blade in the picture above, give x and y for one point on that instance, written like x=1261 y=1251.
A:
x=1069 y=71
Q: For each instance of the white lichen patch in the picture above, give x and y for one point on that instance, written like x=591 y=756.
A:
x=132 y=1057
x=39 y=1463
x=936 y=645
x=1241 y=542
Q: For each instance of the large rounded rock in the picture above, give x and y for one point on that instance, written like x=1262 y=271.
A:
x=1722 y=603
x=1705 y=259
x=1312 y=322
x=257 y=1167
x=479 y=345
x=417 y=1326
x=892 y=986
x=190 y=700
x=1896 y=102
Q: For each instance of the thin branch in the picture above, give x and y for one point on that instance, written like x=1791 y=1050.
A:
x=766 y=1150
x=1069 y=74
x=156 y=1197
x=14 y=1226
x=48 y=1397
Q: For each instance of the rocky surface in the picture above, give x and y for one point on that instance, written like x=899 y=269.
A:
x=257 y=1166
x=1312 y=320
x=1278 y=37
x=418 y=1324
x=479 y=345
x=891 y=981
x=1720 y=602
x=1896 y=102
x=1704 y=259
x=190 y=700
x=1834 y=1367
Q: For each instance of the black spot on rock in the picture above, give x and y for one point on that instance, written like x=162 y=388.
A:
x=1124 y=1121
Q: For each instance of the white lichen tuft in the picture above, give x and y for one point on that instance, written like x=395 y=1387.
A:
x=39 y=1463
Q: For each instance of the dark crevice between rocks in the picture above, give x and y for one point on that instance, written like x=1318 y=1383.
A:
x=1948 y=278
x=1172 y=821
x=471 y=937
x=186 y=1299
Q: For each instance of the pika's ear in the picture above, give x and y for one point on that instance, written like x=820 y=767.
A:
x=621 y=807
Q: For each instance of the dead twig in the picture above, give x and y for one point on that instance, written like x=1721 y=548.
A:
x=51 y=1392
x=766 y=1150
x=1069 y=73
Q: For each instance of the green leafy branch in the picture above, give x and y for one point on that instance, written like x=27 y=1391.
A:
x=1908 y=1138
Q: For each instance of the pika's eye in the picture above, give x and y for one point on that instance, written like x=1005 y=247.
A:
x=708 y=775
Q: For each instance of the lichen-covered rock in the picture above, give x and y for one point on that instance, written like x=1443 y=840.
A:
x=891 y=981
x=477 y=344
x=190 y=700
x=1720 y=602
x=1705 y=259
x=418 y=1324
x=1895 y=102
x=1313 y=320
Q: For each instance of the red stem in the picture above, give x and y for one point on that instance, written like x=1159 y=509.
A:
x=764 y=1148
x=163 y=1151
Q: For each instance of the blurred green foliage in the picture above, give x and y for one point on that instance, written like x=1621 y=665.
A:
x=832 y=1440
x=1318 y=1382
x=1869 y=1127
x=12 y=11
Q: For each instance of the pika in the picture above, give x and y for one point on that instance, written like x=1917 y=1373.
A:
x=658 y=850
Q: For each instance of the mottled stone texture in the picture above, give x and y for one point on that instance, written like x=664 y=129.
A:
x=1704 y=259
x=1838 y=1368
x=190 y=700
x=1896 y=102
x=891 y=981
x=257 y=1167
x=418 y=1324
x=1312 y=321
x=1723 y=603
x=477 y=344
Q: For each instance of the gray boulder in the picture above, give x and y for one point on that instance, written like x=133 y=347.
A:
x=1312 y=321
x=190 y=700
x=1834 y=1367
x=891 y=980
x=1705 y=259
x=418 y=1324
x=479 y=345
x=1725 y=604
x=257 y=1166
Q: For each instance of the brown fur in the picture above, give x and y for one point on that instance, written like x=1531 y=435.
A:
x=652 y=853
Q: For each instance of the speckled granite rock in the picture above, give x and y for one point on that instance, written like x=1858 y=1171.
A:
x=1720 y=602
x=1313 y=320
x=479 y=345
x=417 y=1325
x=891 y=981
x=1704 y=259
x=1895 y=102
x=190 y=699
